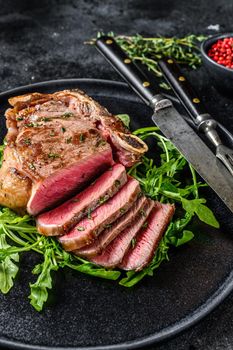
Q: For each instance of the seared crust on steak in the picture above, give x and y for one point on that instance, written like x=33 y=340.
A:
x=15 y=188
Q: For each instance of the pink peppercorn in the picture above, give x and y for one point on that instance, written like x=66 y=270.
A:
x=222 y=52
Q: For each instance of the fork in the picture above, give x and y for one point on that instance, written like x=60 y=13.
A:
x=202 y=120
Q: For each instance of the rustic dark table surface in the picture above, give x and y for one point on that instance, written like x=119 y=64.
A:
x=43 y=40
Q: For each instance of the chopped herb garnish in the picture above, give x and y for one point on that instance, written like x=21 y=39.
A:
x=117 y=183
x=52 y=133
x=67 y=115
x=31 y=166
x=122 y=210
x=19 y=118
x=75 y=200
x=53 y=155
x=100 y=143
x=89 y=213
x=142 y=212
x=46 y=119
x=80 y=228
x=81 y=137
x=145 y=224
x=63 y=129
x=133 y=242
x=30 y=125
x=102 y=199
x=27 y=141
x=107 y=225
x=69 y=140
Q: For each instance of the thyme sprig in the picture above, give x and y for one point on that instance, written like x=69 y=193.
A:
x=149 y=51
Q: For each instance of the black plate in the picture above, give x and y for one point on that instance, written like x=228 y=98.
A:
x=86 y=312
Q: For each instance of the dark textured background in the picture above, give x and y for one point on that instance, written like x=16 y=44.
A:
x=43 y=40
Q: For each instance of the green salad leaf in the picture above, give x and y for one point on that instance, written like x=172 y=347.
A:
x=8 y=266
x=202 y=211
x=124 y=118
x=39 y=289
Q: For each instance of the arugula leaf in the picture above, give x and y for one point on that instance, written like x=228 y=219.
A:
x=8 y=268
x=175 y=234
x=202 y=211
x=39 y=289
x=125 y=118
x=95 y=270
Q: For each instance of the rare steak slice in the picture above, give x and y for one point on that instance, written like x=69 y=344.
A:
x=115 y=251
x=61 y=219
x=108 y=235
x=89 y=228
x=148 y=238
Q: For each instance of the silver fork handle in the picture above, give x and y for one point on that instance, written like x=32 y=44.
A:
x=208 y=125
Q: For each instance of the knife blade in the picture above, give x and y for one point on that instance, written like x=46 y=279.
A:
x=203 y=121
x=170 y=122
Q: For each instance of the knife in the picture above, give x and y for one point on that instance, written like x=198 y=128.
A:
x=170 y=122
x=202 y=120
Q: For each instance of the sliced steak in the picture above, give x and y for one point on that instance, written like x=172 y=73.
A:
x=88 y=229
x=61 y=219
x=148 y=238
x=108 y=235
x=54 y=137
x=115 y=251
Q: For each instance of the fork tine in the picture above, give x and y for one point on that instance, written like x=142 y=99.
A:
x=225 y=154
x=225 y=160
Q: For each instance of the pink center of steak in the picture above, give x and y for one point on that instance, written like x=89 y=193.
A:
x=108 y=235
x=89 y=228
x=115 y=251
x=63 y=183
x=148 y=238
x=63 y=218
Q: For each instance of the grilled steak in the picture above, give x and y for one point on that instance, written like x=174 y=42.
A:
x=60 y=142
x=148 y=238
x=88 y=229
x=64 y=217
x=108 y=235
x=115 y=251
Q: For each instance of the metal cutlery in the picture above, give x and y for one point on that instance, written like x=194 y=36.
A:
x=203 y=121
x=170 y=122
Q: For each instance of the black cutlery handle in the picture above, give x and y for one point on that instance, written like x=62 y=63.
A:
x=126 y=68
x=182 y=88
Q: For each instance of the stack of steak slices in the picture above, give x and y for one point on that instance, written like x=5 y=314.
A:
x=65 y=162
x=111 y=222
